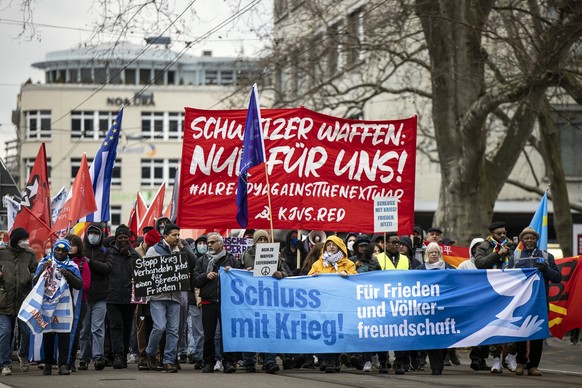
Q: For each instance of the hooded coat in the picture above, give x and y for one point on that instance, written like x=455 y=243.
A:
x=344 y=264
x=99 y=263
x=18 y=266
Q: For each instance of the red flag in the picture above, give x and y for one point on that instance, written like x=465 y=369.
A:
x=35 y=207
x=155 y=210
x=566 y=297
x=80 y=201
x=132 y=224
x=141 y=208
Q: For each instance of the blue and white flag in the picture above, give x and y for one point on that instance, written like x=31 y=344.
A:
x=381 y=310
x=12 y=207
x=48 y=308
x=57 y=203
x=101 y=171
x=253 y=154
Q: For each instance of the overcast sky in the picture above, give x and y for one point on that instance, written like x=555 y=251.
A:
x=64 y=24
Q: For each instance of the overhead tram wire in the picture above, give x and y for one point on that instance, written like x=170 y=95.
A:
x=186 y=48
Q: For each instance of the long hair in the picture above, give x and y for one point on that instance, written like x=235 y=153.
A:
x=311 y=258
x=430 y=247
x=76 y=241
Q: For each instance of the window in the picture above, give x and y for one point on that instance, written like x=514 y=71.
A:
x=144 y=76
x=156 y=171
x=334 y=50
x=38 y=124
x=86 y=77
x=355 y=36
x=226 y=77
x=130 y=76
x=114 y=75
x=211 y=76
x=568 y=120
x=105 y=122
x=115 y=212
x=162 y=125
x=81 y=123
x=29 y=164
x=171 y=77
x=115 y=177
x=100 y=75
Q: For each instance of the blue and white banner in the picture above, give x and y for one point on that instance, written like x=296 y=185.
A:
x=381 y=310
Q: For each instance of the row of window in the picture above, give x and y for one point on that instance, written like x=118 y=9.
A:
x=153 y=171
x=93 y=125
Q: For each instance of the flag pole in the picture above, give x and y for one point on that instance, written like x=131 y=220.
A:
x=269 y=201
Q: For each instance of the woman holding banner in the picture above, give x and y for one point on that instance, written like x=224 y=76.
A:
x=334 y=259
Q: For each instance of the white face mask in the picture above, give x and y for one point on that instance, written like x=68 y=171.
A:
x=351 y=245
x=93 y=238
x=202 y=248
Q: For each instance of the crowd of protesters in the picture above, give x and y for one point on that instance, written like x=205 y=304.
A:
x=167 y=331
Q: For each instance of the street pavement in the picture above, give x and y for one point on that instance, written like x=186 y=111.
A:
x=561 y=366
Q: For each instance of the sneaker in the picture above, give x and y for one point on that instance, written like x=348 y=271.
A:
x=367 y=366
x=454 y=358
x=229 y=368
x=398 y=369
x=142 y=365
x=520 y=369
x=6 y=371
x=475 y=365
x=271 y=368
x=152 y=362
x=208 y=369
x=530 y=372
x=131 y=358
x=218 y=366
x=183 y=358
x=72 y=367
x=83 y=365
x=64 y=370
x=198 y=364
x=383 y=368
x=47 y=369
x=288 y=363
x=191 y=358
x=375 y=361
x=357 y=362
x=345 y=359
x=24 y=364
x=118 y=362
x=170 y=368
x=511 y=360
x=250 y=368
x=496 y=368
x=99 y=363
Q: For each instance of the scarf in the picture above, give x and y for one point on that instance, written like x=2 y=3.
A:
x=331 y=259
x=497 y=246
x=438 y=265
x=214 y=257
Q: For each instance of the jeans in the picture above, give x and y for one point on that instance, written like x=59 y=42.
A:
x=250 y=359
x=166 y=317
x=195 y=332
x=93 y=331
x=6 y=335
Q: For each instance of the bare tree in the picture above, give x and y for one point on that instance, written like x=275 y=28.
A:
x=483 y=68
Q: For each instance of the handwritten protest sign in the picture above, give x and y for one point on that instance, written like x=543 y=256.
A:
x=157 y=274
x=385 y=214
x=266 y=258
x=324 y=171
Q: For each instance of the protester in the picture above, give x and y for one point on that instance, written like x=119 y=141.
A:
x=120 y=310
x=195 y=329
x=433 y=260
x=333 y=259
x=532 y=257
x=17 y=266
x=93 y=326
x=434 y=234
x=350 y=240
x=63 y=267
x=165 y=307
x=76 y=254
x=291 y=250
x=207 y=280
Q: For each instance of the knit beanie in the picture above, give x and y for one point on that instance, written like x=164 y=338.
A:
x=62 y=243
x=18 y=235
x=122 y=229
x=527 y=230
x=258 y=234
x=152 y=237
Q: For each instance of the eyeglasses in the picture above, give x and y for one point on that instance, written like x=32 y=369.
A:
x=212 y=242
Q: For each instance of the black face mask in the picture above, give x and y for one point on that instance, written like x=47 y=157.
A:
x=416 y=242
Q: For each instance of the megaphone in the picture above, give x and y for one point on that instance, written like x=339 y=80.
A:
x=316 y=236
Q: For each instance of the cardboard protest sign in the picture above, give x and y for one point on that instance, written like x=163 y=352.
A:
x=158 y=274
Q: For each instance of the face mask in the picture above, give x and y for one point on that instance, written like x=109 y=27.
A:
x=416 y=241
x=2 y=244
x=351 y=245
x=23 y=244
x=293 y=241
x=202 y=248
x=93 y=239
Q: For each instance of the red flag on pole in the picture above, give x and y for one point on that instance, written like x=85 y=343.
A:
x=155 y=209
x=80 y=201
x=141 y=208
x=35 y=207
x=132 y=224
x=566 y=297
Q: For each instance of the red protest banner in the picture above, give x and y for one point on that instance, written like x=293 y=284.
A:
x=565 y=298
x=324 y=171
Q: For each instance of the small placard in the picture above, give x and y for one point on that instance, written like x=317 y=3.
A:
x=266 y=259
x=385 y=214
x=158 y=274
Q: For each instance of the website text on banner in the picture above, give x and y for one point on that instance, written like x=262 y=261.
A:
x=324 y=172
x=381 y=310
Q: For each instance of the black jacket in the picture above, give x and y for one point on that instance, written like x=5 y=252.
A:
x=121 y=276
x=210 y=289
x=100 y=265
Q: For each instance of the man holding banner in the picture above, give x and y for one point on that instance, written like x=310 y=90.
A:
x=532 y=257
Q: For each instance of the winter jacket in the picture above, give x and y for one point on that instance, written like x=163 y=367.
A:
x=121 y=276
x=527 y=259
x=18 y=267
x=85 y=274
x=100 y=265
x=344 y=264
x=210 y=289
x=290 y=255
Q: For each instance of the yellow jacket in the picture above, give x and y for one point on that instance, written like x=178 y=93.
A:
x=344 y=264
